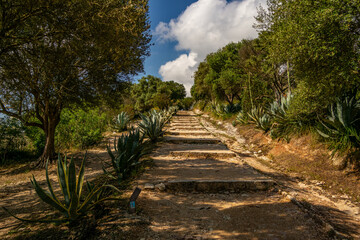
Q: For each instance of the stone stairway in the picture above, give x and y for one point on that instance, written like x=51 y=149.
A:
x=199 y=189
x=192 y=160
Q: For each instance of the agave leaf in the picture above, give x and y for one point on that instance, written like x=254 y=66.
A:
x=46 y=197
x=49 y=184
x=63 y=181
x=80 y=181
x=33 y=221
x=73 y=205
x=71 y=178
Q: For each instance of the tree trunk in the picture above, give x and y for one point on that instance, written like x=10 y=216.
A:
x=49 y=150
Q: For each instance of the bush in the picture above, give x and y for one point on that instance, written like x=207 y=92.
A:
x=13 y=144
x=186 y=103
x=37 y=137
x=80 y=129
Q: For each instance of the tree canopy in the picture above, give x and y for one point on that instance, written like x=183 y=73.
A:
x=152 y=92
x=64 y=52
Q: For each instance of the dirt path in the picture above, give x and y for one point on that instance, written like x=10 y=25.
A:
x=336 y=213
x=200 y=189
x=18 y=195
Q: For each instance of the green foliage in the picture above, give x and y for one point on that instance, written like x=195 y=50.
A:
x=223 y=110
x=129 y=148
x=74 y=205
x=186 y=103
x=319 y=40
x=242 y=118
x=57 y=54
x=121 y=122
x=37 y=137
x=80 y=129
x=151 y=92
x=342 y=126
x=152 y=125
x=12 y=139
x=260 y=118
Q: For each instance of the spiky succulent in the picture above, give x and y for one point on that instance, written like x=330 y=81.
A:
x=342 y=126
x=73 y=205
x=129 y=148
x=152 y=125
x=121 y=122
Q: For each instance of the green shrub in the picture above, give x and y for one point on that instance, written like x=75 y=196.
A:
x=74 y=205
x=342 y=126
x=186 y=103
x=129 y=148
x=37 y=137
x=80 y=129
x=13 y=144
x=121 y=122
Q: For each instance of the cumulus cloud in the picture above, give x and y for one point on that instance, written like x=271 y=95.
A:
x=180 y=70
x=204 y=27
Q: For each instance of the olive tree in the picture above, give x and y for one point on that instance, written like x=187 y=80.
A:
x=75 y=52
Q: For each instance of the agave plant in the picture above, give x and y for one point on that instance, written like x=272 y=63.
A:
x=129 y=148
x=121 y=122
x=74 y=205
x=261 y=119
x=342 y=126
x=242 y=118
x=152 y=125
x=232 y=108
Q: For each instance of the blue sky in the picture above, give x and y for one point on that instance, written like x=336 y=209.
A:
x=185 y=31
x=163 y=11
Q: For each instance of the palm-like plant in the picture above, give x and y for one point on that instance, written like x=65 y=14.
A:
x=129 y=148
x=121 y=122
x=74 y=205
x=342 y=126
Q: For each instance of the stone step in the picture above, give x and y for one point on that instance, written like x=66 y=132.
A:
x=193 y=122
x=189 y=133
x=188 y=128
x=215 y=186
x=184 y=124
x=185 y=139
x=219 y=154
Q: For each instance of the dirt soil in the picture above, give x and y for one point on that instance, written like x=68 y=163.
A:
x=304 y=171
x=203 y=214
x=291 y=209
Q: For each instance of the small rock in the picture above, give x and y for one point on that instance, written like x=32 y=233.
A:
x=160 y=186
x=149 y=186
x=244 y=195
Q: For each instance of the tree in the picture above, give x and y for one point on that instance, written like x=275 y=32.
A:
x=152 y=92
x=319 y=40
x=85 y=52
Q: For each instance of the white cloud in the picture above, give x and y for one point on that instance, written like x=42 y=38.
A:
x=204 y=27
x=180 y=70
